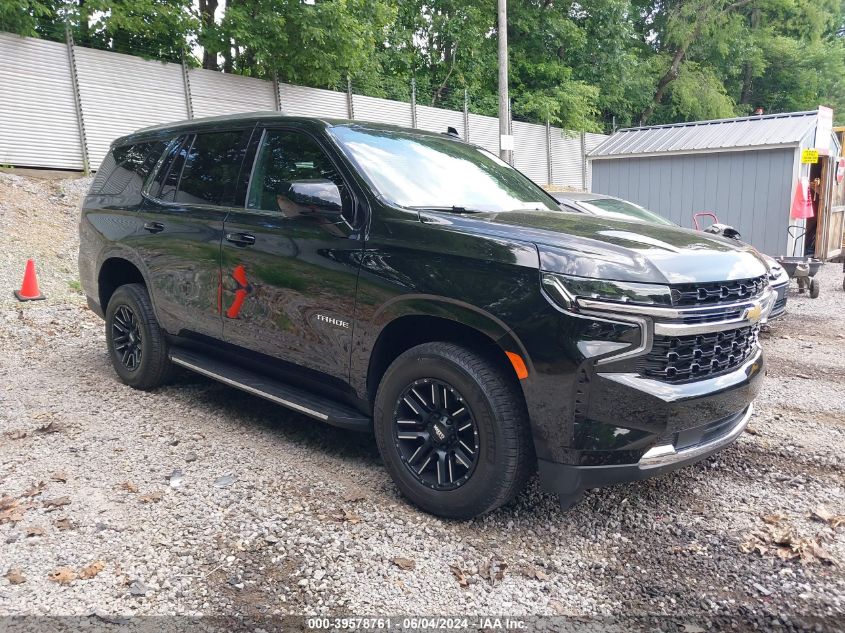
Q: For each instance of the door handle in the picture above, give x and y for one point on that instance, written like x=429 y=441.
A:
x=154 y=227
x=241 y=239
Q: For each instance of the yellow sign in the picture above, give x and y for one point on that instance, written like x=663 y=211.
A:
x=810 y=156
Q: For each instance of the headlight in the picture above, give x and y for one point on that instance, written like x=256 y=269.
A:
x=778 y=276
x=565 y=291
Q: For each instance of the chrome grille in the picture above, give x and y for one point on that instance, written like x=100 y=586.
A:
x=717 y=292
x=686 y=358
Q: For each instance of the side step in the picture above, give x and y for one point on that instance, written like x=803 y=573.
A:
x=294 y=398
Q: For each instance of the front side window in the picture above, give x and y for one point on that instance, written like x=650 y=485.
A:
x=211 y=168
x=287 y=159
x=427 y=171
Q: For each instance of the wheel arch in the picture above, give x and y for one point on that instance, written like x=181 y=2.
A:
x=116 y=271
x=418 y=319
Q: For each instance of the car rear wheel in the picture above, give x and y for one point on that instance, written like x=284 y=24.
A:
x=452 y=430
x=137 y=345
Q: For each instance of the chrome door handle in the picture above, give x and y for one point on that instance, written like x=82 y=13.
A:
x=241 y=239
x=154 y=227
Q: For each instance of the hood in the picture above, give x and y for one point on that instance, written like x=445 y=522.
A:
x=621 y=250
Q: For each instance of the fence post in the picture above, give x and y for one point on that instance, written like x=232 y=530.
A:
x=413 y=102
x=77 y=102
x=277 y=93
x=466 y=115
x=350 y=106
x=584 y=161
x=549 y=171
x=186 y=84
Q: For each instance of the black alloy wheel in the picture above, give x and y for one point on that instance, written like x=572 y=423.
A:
x=436 y=434
x=127 y=337
x=452 y=429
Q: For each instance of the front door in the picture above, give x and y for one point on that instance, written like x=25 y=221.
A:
x=289 y=275
x=183 y=227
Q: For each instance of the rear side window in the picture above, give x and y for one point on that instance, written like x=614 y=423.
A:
x=211 y=167
x=125 y=168
x=164 y=185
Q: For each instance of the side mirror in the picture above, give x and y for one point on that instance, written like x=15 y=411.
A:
x=318 y=196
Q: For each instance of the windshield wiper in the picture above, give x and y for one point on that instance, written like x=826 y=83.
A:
x=452 y=209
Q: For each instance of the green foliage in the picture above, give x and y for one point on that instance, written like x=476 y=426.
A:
x=151 y=28
x=315 y=44
x=23 y=16
x=582 y=65
x=698 y=94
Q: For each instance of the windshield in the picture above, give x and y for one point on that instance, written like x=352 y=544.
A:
x=422 y=171
x=611 y=207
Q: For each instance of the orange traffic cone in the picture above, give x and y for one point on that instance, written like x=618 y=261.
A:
x=29 y=288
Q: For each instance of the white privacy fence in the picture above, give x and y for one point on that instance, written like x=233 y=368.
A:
x=62 y=105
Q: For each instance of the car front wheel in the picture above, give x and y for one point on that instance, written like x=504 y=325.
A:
x=452 y=430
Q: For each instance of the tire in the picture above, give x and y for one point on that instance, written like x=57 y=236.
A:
x=815 y=288
x=475 y=391
x=137 y=345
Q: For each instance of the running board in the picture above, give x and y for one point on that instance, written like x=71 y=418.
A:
x=294 y=398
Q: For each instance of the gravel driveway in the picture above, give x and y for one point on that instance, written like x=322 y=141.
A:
x=200 y=499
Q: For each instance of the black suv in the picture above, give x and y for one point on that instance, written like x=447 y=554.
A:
x=414 y=285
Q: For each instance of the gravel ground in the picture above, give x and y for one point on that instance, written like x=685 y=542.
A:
x=200 y=499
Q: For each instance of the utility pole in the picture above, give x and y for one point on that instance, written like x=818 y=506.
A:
x=505 y=138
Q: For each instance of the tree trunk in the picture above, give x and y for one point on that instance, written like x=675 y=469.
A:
x=668 y=77
x=680 y=53
x=207 y=10
x=747 y=81
x=228 y=66
x=450 y=57
x=84 y=29
x=747 y=74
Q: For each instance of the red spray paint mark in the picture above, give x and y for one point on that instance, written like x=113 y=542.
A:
x=243 y=290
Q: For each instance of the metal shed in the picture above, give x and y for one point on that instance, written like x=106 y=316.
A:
x=745 y=170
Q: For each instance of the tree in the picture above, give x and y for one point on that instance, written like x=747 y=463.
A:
x=692 y=20
x=24 y=16
x=152 y=28
x=585 y=65
x=315 y=44
x=207 y=9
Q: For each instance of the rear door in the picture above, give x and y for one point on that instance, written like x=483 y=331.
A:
x=183 y=216
x=290 y=276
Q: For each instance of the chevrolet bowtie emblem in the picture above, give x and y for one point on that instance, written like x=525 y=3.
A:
x=754 y=313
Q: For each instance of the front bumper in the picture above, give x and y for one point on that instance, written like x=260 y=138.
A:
x=569 y=481
x=628 y=424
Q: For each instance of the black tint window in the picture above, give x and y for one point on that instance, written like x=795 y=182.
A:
x=168 y=171
x=126 y=168
x=211 y=168
x=103 y=173
x=169 y=176
x=285 y=157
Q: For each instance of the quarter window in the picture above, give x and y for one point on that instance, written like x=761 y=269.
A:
x=126 y=168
